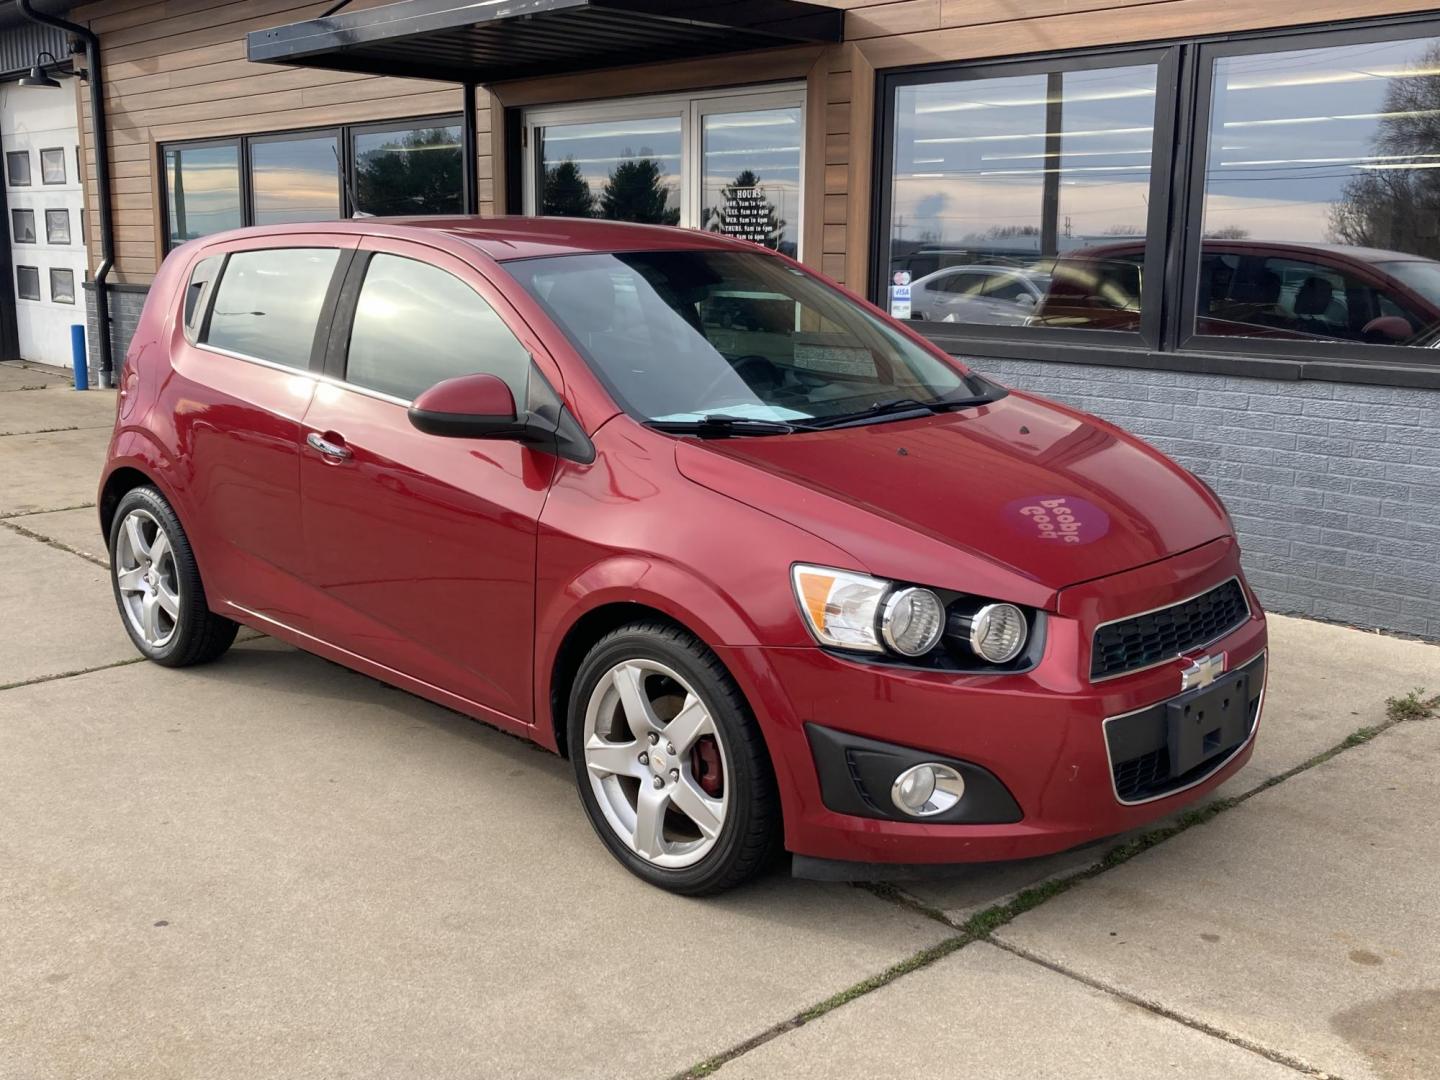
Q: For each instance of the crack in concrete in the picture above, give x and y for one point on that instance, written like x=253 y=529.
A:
x=1279 y=1057
x=71 y=674
x=50 y=541
x=48 y=510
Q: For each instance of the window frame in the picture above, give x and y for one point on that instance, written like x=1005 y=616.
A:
x=1166 y=61
x=165 y=193
x=15 y=214
x=690 y=109
x=1174 y=346
x=344 y=133
x=20 y=295
x=69 y=235
x=29 y=169
x=349 y=132
x=342 y=170
x=54 y=298
x=64 y=168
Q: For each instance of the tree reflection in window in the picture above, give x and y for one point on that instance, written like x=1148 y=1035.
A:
x=417 y=171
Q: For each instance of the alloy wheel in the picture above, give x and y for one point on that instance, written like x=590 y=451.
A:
x=656 y=763
x=147 y=579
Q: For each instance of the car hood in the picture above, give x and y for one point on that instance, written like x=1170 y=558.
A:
x=1014 y=499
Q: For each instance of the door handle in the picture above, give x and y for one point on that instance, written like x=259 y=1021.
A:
x=335 y=451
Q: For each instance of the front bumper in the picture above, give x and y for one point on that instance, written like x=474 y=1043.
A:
x=1040 y=734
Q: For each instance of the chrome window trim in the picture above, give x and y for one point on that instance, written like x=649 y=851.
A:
x=1263 y=654
x=1249 y=614
x=317 y=376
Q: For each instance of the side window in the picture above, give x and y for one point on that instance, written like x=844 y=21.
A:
x=268 y=303
x=197 y=292
x=417 y=325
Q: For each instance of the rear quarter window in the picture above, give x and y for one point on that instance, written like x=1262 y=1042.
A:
x=196 y=297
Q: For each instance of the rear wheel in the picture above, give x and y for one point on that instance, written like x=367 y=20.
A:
x=670 y=764
x=157 y=585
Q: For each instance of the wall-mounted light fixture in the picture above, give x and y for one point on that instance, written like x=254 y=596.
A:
x=39 y=76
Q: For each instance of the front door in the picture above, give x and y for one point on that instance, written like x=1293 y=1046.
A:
x=422 y=548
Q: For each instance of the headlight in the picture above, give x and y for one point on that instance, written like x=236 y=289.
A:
x=856 y=611
x=998 y=632
x=840 y=606
x=913 y=621
x=848 y=610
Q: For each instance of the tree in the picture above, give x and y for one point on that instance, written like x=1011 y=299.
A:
x=1398 y=208
x=745 y=212
x=415 y=173
x=634 y=192
x=1227 y=232
x=565 y=192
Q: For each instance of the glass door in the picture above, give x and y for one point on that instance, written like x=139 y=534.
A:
x=724 y=162
x=751 y=155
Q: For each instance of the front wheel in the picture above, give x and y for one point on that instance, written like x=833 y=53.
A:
x=157 y=585
x=671 y=766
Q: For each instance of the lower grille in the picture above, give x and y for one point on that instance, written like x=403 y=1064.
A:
x=1140 y=759
x=1144 y=640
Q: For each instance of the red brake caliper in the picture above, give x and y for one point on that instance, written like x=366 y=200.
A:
x=705 y=764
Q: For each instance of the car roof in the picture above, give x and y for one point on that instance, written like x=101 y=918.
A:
x=504 y=238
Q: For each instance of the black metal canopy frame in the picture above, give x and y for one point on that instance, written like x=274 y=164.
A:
x=486 y=41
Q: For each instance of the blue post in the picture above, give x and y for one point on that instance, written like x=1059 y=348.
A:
x=77 y=357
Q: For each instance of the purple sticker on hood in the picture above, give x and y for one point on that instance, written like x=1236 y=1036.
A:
x=1060 y=519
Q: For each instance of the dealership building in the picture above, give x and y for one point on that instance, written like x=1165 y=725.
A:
x=1208 y=222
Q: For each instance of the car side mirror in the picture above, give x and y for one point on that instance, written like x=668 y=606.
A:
x=1387 y=328
x=468 y=407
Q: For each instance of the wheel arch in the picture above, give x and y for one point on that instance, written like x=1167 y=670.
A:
x=576 y=644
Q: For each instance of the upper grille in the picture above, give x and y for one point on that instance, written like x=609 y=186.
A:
x=1143 y=640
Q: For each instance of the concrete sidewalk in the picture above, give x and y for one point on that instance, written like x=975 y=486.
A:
x=275 y=866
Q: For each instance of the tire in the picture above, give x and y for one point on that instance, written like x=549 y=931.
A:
x=721 y=760
x=160 y=597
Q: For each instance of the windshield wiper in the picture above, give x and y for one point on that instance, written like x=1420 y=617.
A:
x=718 y=426
x=898 y=406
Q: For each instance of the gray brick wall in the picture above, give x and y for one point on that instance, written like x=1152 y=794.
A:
x=1334 y=488
x=125 y=307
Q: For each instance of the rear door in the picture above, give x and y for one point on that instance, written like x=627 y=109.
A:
x=247 y=352
x=422 y=547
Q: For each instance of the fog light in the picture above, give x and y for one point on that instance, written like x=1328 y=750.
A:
x=926 y=790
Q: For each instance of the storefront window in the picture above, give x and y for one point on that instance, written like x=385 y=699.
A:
x=414 y=170
x=751 y=183
x=378 y=169
x=1023 y=199
x=295 y=179
x=1321 y=204
x=202 y=190
x=621 y=170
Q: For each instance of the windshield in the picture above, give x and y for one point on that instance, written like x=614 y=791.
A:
x=684 y=335
x=1422 y=275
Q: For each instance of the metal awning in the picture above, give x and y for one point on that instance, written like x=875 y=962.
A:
x=485 y=41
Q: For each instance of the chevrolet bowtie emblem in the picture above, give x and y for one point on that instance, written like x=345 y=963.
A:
x=1202 y=672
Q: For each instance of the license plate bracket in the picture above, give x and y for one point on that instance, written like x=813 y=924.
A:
x=1207 y=722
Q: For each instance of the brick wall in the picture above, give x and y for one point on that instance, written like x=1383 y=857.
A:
x=125 y=307
x=1334 y=488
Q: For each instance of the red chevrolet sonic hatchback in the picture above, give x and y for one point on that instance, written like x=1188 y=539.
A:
x=765 y=565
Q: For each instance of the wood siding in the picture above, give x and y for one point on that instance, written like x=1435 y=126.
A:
x=176 y=69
